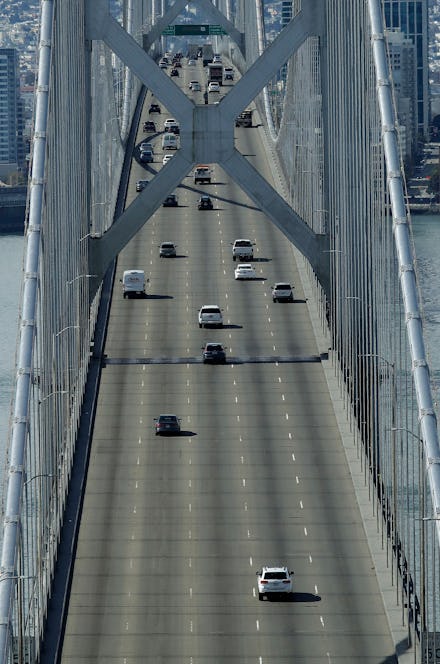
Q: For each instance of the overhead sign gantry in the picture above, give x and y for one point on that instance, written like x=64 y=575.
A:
x=182 y=29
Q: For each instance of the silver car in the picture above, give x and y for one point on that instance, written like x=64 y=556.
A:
x=167 y=250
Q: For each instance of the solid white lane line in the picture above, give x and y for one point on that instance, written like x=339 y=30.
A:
x=301 y=504
x=257 y=622
x=297 y=479
x=322 y=621
x=293 y=457
x=283 y=397
x=305 y=531
x=250 y=561
x=316 y=589
x=287 y=416
x=310 y=558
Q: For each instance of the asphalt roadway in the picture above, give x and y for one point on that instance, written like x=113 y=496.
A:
x=174 y=529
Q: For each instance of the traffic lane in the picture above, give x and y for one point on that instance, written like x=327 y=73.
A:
x=269 y=526
x=222 y=603
x=270 y=544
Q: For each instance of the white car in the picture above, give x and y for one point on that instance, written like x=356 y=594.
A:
x=191 y=83
x=163 y=65
x=166 y=158
x=214 y=86
x=191 y=63
x=245 y=271
x=210 y=315
x=274 y=581
x=169 y=122
x=282 y=292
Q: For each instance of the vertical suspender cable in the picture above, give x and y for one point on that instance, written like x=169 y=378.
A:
x=261 y=46
x=11 y=526
x=426 y=413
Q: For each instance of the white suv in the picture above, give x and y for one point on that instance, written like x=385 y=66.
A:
x=210 y=315
x=282 y=292
x=274 y=580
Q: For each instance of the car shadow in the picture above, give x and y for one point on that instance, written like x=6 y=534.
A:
x=187 y=433
x=295 y=301
x=200 y=192
x=232 y=327
x=293 y=597
x=261 y=260
x=153 y=296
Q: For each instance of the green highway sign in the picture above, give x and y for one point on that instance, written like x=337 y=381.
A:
x=185 y=29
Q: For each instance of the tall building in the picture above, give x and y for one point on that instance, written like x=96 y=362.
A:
x=402 y=57
x=11 y=113
x=286 y=12
x=411 y=17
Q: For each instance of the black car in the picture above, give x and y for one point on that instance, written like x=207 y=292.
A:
x=215 y=353
x=149 y=126
x=174 y=72
x=170 y=201
x=154 y=108
x=167 y=424
x=205 y=203
x=177 y=64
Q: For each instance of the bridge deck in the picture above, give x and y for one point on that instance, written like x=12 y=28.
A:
x=173 y=529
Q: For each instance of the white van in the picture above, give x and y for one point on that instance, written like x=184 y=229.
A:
x=169 y=142
x=133 y=283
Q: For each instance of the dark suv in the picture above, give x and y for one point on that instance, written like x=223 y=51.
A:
x=214 y=353
x=205 y=203
x=167 y=424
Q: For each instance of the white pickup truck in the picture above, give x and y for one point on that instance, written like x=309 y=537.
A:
x=243 y=250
